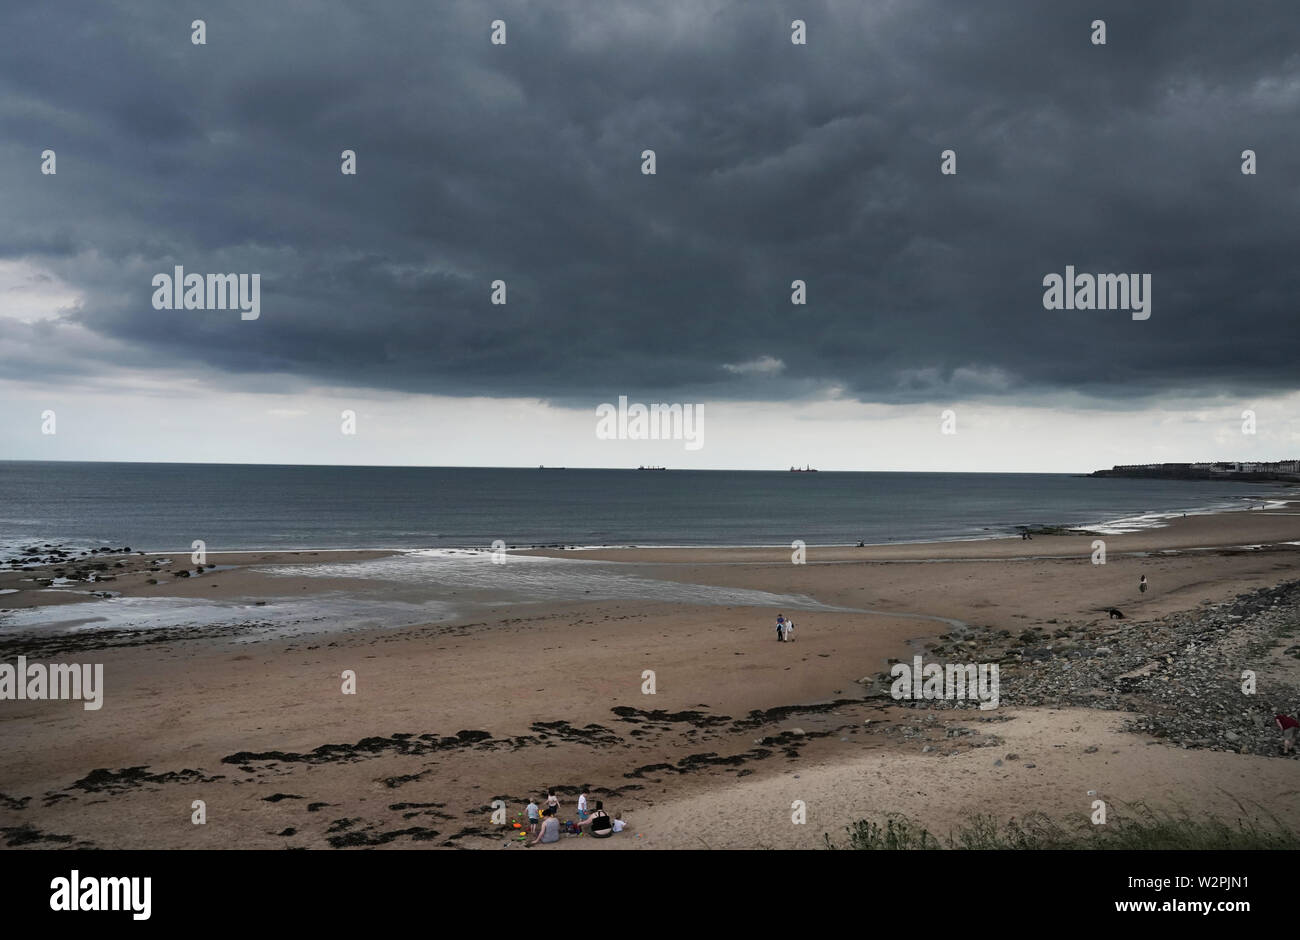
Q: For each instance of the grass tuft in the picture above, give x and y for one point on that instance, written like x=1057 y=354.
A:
x=1138 y=827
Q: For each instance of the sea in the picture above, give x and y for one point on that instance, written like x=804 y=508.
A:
x=444 y=523
x=156 y=507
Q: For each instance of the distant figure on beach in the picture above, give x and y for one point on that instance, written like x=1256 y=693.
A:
x=861 y=544
x=1142 y=585
x=788 y=633
x=1288 y=726
x=533 y=816
x=780 y=628
x=552 y=802
x=550 y=828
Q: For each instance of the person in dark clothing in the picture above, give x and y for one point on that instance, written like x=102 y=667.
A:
x=601 y=826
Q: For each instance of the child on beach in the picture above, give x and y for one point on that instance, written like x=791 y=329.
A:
x=532 y=816
x=553 y=802
x=582 y=805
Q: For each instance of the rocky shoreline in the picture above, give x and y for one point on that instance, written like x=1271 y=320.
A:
x=1181 y=676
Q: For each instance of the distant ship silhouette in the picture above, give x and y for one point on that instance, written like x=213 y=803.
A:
x=806 y=469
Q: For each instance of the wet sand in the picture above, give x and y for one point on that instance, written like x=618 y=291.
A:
x=448 y=717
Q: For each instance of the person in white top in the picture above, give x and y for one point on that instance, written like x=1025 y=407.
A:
x=582 y=805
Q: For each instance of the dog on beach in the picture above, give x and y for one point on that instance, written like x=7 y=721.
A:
x=1115 y=614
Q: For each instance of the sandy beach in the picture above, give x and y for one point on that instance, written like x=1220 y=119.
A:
x=503 y=700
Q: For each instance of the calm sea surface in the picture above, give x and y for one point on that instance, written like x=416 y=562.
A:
x=165 y=507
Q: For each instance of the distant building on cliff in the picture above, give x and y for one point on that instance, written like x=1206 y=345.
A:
x=1256 y=470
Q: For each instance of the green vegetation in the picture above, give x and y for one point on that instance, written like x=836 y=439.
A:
x=1140 y=828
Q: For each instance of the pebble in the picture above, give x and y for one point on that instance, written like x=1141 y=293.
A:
x=1173 y=676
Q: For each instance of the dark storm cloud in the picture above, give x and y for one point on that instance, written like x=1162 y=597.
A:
x=775 y=162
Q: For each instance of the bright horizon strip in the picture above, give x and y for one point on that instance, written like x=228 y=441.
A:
x=141 y=418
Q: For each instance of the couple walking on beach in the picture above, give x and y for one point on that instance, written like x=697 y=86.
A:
x=784 y=629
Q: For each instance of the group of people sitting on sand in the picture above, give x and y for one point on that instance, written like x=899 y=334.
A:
x=545 y=826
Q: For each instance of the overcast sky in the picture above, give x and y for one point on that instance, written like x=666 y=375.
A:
x=775 y=162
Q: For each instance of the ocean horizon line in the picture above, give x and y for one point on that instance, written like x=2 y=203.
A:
x=378 y=466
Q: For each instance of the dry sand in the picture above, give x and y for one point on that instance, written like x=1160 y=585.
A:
x=448 y=717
